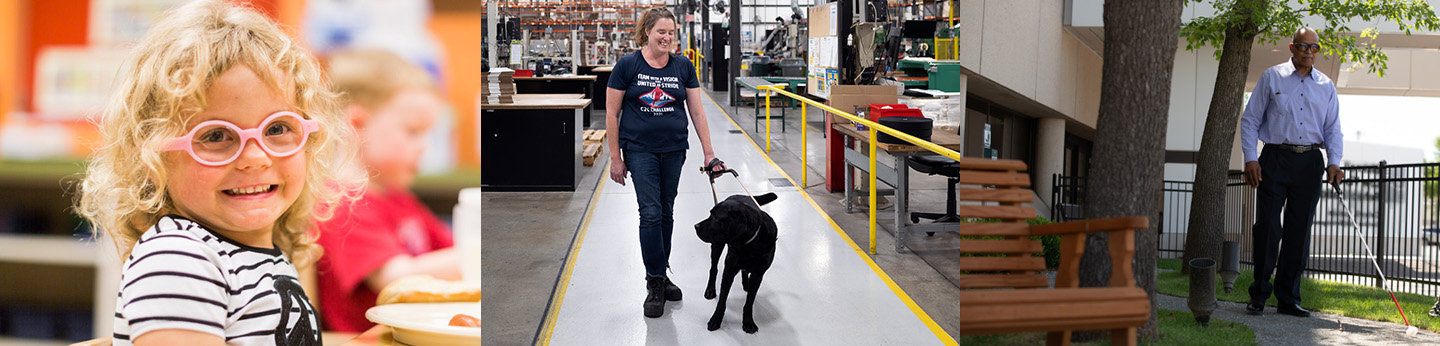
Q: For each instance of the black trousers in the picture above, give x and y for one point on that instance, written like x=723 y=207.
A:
x=1290 y=181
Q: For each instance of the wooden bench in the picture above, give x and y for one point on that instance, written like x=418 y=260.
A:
x=1001 y=289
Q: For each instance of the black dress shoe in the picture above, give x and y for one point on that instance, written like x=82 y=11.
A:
x=1254 y=309
x=1293 y=310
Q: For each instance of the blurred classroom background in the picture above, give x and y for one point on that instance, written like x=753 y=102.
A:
x=58 y=61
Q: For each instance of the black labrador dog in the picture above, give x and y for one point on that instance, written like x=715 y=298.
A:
x=750 y=233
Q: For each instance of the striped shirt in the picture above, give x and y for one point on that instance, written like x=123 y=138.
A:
x=181 y=275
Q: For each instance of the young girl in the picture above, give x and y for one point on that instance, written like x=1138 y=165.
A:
x=221 y=148
x=387 y=233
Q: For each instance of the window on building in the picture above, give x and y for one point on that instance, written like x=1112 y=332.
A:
x=1011 y=133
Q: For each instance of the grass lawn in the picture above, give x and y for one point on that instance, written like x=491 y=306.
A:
x=1317 y=295
x=1176 y=328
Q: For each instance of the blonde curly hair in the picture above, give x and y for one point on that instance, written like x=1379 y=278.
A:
x=371 y=77
x=167 y=76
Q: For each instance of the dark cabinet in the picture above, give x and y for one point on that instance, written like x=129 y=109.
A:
x=530 y=149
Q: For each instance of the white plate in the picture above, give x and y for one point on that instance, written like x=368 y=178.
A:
x=427 y=323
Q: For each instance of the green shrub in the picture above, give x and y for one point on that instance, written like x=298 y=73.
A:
x=1050 y=243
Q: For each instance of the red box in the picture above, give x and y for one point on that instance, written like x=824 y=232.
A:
x=524 y=73
x=878 y=111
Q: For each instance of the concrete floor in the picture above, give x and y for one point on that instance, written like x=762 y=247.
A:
x=529 y=235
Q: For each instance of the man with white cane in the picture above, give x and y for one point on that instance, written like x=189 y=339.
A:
x=1295 y=111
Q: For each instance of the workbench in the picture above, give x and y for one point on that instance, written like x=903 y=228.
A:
x=581 y=84
x=896 y=173
x=533 y=144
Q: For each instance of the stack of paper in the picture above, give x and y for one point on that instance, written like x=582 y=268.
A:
x=498 y=86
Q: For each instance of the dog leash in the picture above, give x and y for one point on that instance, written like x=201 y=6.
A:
x=710 y=171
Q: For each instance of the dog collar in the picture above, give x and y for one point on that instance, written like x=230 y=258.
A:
x=752 y=238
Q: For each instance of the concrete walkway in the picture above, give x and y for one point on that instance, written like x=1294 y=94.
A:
x=1273 y=328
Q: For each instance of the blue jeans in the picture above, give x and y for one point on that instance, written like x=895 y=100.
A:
x=656 y=177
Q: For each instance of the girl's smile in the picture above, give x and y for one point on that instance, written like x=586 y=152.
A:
x=241 y=199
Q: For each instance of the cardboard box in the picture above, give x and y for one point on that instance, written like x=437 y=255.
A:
x=846 y=97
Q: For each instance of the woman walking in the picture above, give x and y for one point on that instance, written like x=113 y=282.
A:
x=654 y=88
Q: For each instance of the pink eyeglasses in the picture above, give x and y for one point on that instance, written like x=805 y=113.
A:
x=219 y=142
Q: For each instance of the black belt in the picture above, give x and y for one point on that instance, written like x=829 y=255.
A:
x=1298 y=149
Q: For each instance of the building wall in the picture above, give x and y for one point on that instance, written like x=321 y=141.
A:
x=1370 y=154
x=1192 y=85
x=1023 y=46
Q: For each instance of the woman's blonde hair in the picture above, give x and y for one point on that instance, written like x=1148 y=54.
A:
x=123 y=193
x=648 y=20
x=371 y=77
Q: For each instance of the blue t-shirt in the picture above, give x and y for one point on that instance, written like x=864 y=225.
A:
x=653 y=117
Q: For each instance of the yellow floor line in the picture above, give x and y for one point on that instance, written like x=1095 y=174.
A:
x=934 y=327
x=564 y=282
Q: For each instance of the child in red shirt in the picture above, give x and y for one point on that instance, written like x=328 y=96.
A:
x=386 y=234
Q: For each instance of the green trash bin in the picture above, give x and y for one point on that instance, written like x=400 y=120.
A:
x=761 y=69
x=945 y=76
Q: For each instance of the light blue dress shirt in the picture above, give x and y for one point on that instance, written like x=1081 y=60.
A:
x=1287 y=107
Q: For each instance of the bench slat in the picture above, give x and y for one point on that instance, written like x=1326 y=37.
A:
x=1008 y=311
x=978 y=298
x=1000 y=246
x=995 y=195
x=1009 y=229
x=1002 y=179
x=1054 y=311
x=1002 y=263
x=1004 y=280
x=996 y=212
x=977 y=163
x=1092 y=323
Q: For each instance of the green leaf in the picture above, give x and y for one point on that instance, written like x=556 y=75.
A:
x=1278 y=21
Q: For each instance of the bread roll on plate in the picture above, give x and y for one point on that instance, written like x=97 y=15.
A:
x=428 y=289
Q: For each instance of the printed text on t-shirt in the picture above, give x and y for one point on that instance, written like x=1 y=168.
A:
x=657 y=98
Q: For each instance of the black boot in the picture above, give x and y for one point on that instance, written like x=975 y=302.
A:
x=672 y=292
x=654 y=297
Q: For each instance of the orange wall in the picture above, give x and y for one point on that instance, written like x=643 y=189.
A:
x=52 y=22
x=10 y=22
x=66 y=22
x=459 y=33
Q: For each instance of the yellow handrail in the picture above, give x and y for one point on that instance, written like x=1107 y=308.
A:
x=695 y=57
x=874 y=129
x=767 y=122
x=932 y=147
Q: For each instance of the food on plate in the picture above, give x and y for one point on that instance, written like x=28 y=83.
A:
x=428 y=289
x=463 y=320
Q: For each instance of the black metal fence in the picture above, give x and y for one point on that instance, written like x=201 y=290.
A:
x=1396 y=206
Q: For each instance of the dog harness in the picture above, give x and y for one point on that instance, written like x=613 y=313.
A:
x=752 y=238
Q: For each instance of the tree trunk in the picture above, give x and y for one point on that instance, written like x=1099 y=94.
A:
x=1127 y=171
x=1206 y=230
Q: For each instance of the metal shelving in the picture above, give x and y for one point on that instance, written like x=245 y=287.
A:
x=575 y=25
